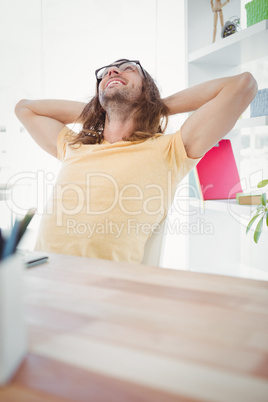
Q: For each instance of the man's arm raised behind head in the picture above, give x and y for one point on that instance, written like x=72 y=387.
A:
x=44 y=119
x=217 y=105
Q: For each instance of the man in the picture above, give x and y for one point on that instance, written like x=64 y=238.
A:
x=119 y=173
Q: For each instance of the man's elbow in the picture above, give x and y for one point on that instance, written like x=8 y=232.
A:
x=20 y=106
x=249 y=86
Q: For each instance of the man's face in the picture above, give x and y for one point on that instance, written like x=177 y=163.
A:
x=120 y=87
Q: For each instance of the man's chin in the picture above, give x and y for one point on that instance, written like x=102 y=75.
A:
x=114 y=89
x=113 y=95
x=118 y=96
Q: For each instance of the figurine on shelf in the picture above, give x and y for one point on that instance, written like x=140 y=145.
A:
x=217 y=9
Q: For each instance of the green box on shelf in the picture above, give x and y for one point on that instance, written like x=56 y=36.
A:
x=257 y=10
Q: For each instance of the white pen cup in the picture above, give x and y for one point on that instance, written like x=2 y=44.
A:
x=13 y=330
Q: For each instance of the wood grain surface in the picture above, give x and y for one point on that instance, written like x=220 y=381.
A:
x=105 y=331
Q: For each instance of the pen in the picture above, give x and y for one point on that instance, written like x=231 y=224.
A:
x=11 y=242
x=8 y=246
x=24 y=223
x=2 y=243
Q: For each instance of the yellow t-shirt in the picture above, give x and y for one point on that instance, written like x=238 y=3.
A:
x=108 y=197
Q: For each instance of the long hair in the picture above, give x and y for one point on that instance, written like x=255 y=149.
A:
x=150 y=116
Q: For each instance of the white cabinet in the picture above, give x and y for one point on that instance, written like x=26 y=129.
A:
x=226 y=249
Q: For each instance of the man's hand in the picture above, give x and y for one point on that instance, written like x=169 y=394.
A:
x=44 y=119
x=218 y=104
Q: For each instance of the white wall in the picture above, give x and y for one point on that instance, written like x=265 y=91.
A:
x=51 y=48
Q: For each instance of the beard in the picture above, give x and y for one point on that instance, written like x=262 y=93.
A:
x=120 y=102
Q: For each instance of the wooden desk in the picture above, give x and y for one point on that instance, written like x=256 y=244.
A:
x=103 y=331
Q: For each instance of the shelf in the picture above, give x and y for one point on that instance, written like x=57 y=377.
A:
x=252 y=122
x=241 y=47
x=248 y=126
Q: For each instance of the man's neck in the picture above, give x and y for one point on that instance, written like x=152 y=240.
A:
x=115 y=129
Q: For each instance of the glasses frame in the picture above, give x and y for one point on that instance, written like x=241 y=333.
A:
x=117 y=64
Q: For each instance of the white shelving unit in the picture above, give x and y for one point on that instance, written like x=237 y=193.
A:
x=244 y=46
x=224 y=247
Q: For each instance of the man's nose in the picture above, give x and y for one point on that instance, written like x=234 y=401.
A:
x=113 y=70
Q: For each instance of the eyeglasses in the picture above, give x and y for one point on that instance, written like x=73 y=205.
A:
x=127 y=66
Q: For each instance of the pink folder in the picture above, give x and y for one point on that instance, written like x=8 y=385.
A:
x=217 y=173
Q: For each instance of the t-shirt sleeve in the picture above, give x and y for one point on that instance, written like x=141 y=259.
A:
x=174 y=155
x=62 y=143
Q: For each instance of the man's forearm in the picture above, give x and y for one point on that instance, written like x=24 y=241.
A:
x=194 y=97
x=64 y=111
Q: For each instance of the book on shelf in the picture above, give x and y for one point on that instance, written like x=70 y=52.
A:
x=248 y=199
x=216 y=176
